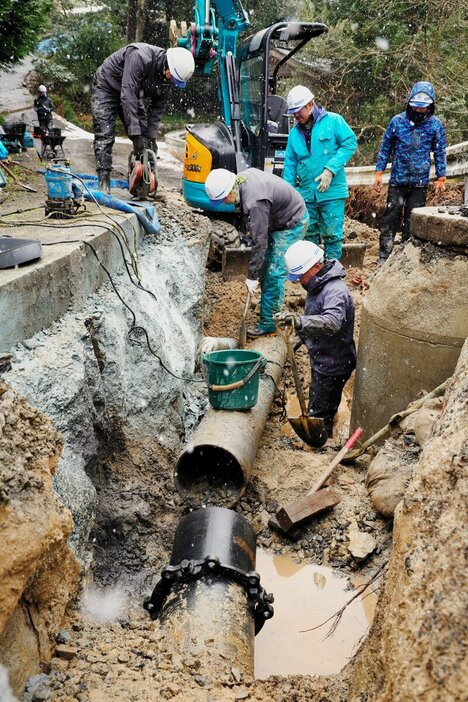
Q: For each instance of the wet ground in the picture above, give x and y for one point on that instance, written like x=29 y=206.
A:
x=112 y=648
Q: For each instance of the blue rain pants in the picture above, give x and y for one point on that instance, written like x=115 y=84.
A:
x=274 y=272
x=326 y=225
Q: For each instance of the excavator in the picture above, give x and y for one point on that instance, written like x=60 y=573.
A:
x=254 y=127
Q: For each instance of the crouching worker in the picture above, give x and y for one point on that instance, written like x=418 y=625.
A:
x=275 y=217
x=326 y=327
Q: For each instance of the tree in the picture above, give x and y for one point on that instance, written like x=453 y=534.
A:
x=376 y=51
x=20 y=27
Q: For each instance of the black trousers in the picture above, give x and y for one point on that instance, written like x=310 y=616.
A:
x=44 y=123
x=105 y=106
x=399 y=197
x=325 y=397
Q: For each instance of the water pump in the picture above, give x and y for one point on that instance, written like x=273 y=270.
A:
x=64 y=192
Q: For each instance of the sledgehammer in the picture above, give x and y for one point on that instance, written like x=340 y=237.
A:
x=296 y=513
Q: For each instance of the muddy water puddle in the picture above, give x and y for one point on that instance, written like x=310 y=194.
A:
x=305 y=596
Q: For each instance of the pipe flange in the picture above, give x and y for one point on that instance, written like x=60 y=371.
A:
x=186 y=571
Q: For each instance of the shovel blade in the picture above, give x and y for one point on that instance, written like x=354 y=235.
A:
x=310 y=429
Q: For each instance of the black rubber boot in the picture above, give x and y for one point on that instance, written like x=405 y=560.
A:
x=255 y=332
x=104 y=181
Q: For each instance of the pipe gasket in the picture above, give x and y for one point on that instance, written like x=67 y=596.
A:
x=187 y=571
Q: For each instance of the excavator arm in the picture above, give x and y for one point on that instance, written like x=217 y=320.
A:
x=212 y=38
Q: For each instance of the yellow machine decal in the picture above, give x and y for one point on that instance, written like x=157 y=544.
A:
x=197 y=160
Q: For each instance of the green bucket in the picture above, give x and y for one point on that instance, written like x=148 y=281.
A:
x=227 y=368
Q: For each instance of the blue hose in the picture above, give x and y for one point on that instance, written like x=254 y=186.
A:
x=117 y=183
x=146 y=213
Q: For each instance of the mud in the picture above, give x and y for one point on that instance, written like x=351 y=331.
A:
x=367 y=206
x=108 y=647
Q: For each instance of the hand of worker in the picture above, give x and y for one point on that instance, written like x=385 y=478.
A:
x=251 y=285
x=377 y=184
x=284 y=319
x=440 y=185
x=324 y=180
x=138 y=143
x=151 y=144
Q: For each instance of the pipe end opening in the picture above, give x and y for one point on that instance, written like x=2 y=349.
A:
x=209 y=475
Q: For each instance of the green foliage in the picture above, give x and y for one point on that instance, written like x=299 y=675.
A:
x=374 y=52
x=79 y=51
x=55 y=75
x=20 y=25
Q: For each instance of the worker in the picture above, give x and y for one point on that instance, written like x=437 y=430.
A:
x=43 y=106
x=318 y=148
x=275 y=216
x=326 y=327
x=408 y=141
x=120 y=84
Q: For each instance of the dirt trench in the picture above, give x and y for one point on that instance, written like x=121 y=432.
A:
x=114 y=647
x=108 y=646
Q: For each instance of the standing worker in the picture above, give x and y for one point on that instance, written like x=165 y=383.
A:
x=410 y=136
x=326 y=327
x=122 y=81
x=275 y=216
x=318 y=148
x=43 y=106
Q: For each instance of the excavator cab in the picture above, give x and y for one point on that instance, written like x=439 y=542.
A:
x=259 y=126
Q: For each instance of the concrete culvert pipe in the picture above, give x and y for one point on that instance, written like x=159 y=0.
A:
x=209 y=600
x=215 y=466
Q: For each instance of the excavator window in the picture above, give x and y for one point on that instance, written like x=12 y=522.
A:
x=252 y=87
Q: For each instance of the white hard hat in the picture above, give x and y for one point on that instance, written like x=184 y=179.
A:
x=298 y=97
x=300 y=257
x=181 y=65
x=42 y=89
x=219 y=183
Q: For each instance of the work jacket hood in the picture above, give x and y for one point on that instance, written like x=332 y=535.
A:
x=331 y=269
x=422 y=86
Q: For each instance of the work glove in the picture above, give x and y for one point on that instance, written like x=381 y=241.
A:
x=284 y=319
x=151 y=144
x=377 y=184
x=138 y=144
x=251 y=285
x=324 y=180
x=440 y=185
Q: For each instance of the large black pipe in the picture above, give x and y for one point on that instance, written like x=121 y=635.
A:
x=209 y=600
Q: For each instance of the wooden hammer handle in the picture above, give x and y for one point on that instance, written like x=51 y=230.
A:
x=341 y=454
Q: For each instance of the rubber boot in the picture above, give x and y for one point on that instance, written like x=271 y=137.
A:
x=104 y=181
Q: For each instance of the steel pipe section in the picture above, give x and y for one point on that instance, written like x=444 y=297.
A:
x=215 y=466
x=208 y=600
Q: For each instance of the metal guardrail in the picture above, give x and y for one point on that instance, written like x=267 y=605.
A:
x=457 y=162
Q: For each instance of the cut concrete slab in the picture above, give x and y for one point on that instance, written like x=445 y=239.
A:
x=37 y=294
x=445 y=226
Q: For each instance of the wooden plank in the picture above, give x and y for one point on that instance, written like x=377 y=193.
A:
x=299 y=511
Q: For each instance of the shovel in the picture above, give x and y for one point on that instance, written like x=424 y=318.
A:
x=310 y=429
x=243 y=325
x=299 y=511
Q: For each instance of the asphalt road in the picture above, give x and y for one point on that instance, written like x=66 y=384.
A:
x=16 y=103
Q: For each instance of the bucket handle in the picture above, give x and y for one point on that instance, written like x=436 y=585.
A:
x=239 y=383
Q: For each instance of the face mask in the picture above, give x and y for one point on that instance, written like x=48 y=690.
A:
x=416 y=117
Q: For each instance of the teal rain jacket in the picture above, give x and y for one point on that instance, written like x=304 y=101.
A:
x=333 y=142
